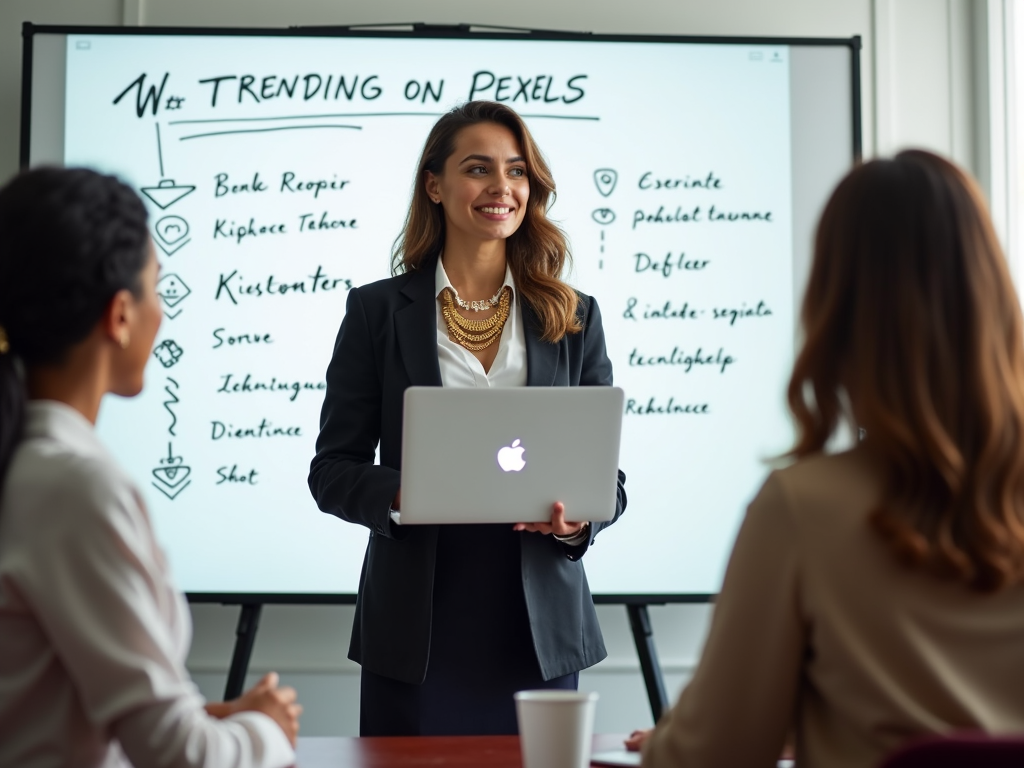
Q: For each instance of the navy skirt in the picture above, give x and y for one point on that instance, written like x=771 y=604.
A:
x=481 y=647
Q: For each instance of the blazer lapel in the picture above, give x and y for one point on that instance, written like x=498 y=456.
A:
x=541 y=356
x=416 y=328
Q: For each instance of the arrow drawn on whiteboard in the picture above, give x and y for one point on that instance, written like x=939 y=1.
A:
x=166 y=193
x=172 y=475
x=159 y=149
x=168 y=403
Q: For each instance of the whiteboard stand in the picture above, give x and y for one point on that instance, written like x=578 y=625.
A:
x=643 y=637
x=639 y=622
x=245 y=639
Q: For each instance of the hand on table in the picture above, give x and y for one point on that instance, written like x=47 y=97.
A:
x=636 y=740
x=276 y=703
x=557 y=526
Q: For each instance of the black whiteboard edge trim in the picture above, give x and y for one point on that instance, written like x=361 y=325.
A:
x=277 y=598
x=27 y=30
x=440 y=32
x=858 y=131
x=459 y=30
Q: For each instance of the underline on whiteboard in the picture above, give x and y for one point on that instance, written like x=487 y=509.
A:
x=265 y=130
x=354 y=114
x=307 y=117
x=563 y=117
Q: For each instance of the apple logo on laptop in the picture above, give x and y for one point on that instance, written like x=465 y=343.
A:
x=510 y=458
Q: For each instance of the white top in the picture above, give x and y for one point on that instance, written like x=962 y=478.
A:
x=93 y=634
x=459 y=366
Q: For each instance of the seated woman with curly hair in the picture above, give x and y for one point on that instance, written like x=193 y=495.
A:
x=93 y=634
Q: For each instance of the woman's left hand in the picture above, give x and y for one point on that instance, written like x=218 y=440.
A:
x=557 y=526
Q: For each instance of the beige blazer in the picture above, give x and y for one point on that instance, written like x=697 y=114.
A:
x=819 y=631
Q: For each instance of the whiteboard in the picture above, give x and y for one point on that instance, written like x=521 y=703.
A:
x=277 y=170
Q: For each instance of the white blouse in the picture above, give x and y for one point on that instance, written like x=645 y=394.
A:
x=93 y=634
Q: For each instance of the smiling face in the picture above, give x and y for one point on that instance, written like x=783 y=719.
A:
x=485 y=185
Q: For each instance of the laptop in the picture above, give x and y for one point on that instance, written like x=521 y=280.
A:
x=507 y=455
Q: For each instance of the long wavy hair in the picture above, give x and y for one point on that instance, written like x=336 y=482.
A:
x=536 y=253
x=910 y=315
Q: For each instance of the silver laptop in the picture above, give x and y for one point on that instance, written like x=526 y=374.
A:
x=507 y=455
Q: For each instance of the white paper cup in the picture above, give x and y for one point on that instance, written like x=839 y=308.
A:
x=555 y=728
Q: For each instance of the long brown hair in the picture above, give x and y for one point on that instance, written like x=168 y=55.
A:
x=910 y=311
x=537 y=252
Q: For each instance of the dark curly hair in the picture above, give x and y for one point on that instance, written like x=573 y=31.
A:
x=70 y=239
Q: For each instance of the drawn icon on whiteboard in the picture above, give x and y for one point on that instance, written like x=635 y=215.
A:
x=172 y=400
x=606 y=179
x=166 y=193
x=172 y=475
x=603 y=216
x=168 y=353
x=171 y=234
x=172 y=291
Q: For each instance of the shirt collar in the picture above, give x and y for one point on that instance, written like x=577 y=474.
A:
x=50 y=418
x=441 y=280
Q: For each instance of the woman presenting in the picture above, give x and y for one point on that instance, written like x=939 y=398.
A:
x=452 y=620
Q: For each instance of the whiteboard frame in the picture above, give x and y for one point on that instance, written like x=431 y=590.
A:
x=427 y=31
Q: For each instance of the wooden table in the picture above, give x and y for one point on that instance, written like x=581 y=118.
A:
x=418 y=751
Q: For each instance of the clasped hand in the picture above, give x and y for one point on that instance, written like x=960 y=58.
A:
x=277 y=703
x=558 y=525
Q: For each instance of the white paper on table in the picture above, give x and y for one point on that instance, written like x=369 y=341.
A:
x=623 y=758
x=617 y=757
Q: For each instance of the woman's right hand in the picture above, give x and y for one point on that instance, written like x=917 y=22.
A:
x=636 y=740
x=276 y=703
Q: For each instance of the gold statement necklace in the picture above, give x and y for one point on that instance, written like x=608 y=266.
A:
x=474 y=335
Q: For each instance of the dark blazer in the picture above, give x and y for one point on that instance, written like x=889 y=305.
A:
x=387 y=343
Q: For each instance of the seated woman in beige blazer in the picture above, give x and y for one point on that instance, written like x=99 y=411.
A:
x=877 y=594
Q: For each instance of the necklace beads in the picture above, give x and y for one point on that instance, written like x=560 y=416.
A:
x=475 y=335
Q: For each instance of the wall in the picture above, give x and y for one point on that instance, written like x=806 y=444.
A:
x=12 y=14
x=919 y=88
